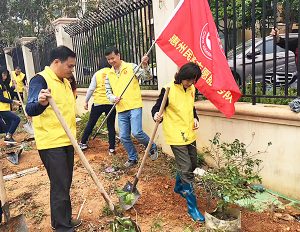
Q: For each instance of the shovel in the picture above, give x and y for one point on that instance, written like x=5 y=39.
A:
x=82 y=157
x=27 y=126
x=15 y=224
x=129 y=187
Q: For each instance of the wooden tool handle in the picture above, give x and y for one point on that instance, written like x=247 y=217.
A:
x=161 y=110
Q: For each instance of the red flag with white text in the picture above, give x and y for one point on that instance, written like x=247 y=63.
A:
x=191 y=36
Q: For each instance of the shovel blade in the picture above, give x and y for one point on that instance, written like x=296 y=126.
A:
x=13 y=158
x=15 y=224
x=28 y=128
x=130 y=189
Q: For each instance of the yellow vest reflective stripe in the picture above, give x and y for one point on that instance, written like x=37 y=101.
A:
x=100 y=93
x=132 y=98
x=19 y=79
x=5 y=106
x=47 y=129
x=178 y=120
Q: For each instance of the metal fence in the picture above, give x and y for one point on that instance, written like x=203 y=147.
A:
x=264 y=66
x=40 y=49
x=128 y=25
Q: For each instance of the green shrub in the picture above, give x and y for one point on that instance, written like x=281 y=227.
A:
x=235 y=171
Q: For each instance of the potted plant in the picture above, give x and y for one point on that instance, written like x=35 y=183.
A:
x=235 y=170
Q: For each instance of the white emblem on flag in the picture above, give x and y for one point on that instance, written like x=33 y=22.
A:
x=205 y=42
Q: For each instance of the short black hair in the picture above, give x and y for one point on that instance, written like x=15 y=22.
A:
x=104 y=63
x=110 y=50
x=62 y=53
x=188 y=71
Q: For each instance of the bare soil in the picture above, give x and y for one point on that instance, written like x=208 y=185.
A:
x=158 y=209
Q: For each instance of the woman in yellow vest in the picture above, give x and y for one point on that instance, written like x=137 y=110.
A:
x=18 y=81
x=11 y=120
x=101 y=105
x=179 y=124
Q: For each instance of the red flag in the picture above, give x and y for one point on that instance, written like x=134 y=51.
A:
x=191 y=36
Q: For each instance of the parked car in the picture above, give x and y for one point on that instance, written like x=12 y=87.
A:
x=280 y=58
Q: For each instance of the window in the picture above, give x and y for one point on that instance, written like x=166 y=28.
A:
x=269 y=47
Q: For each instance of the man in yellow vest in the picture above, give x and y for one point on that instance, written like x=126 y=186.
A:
x=129 y=106
x=101 y=105
x=54 y=146
x=19 y=82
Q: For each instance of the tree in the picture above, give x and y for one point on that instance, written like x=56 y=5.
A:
x=19 y=18
x=234 y=10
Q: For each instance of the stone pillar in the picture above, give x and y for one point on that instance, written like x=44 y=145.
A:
x=166 y=68
x=28 y=58
x=63 y=38
x=8 y=59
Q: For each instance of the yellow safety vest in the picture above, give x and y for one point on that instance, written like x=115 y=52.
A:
x=132 y=98
x=19 y=79
x=100 y=93
x=5 y=106
x=178 y=119
x=48 y=131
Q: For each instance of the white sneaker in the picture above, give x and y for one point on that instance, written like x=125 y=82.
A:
x=83 y=146
x=111 y=152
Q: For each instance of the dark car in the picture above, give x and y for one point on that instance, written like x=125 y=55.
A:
x=258 y=57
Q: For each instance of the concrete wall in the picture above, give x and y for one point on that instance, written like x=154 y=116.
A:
x=268 y=123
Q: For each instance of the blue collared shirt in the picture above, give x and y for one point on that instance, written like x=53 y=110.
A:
x=33 y=107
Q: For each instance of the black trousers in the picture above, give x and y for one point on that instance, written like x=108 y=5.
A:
x=59 y=164
x=96 y=112
x=15 y=95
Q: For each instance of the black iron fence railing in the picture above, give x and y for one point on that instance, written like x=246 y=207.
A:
x=40 y=49
x=264 y=66
x=127 y=25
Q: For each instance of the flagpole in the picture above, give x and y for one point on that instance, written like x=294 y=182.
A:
x=170 y=18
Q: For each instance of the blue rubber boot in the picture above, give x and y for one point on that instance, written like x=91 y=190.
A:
x=178 y=185
x=188 y=192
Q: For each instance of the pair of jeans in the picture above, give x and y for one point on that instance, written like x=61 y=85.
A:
x=130 y=122
x=96 y=112
x=186 y=161
x=11 y=120
x=59 y=164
